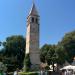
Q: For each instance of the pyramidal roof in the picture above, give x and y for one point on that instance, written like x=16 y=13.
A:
x=33 y=10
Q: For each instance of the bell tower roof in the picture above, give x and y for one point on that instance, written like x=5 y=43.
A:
x=33 y=10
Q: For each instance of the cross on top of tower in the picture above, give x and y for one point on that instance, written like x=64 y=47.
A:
x=33 y=10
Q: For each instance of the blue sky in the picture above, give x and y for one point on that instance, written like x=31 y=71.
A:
x=57 y=17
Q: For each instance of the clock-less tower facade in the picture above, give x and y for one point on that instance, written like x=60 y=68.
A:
x=32 y=36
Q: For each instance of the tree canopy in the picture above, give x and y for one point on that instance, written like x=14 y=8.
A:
x=68 y=42
x=14 y=50
x=64 y=50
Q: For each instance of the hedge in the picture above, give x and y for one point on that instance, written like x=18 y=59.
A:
x=28 y=73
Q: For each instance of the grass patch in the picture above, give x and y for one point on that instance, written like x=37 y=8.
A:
x=28 y=73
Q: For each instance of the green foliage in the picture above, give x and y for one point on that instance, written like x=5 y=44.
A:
x=68 y=42
x=61 y=54
x=14 y=51
x=27 y=63
x=29 y=73
x=14 y=44
x=48 y=54
x=64 y=50
x=43 y=52
x=51 y=56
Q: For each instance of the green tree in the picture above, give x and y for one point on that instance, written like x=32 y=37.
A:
x=43 y=52
x=48 y=54
x=61 y=54
x=68 y=42
x=51 y=56
x=14 y=48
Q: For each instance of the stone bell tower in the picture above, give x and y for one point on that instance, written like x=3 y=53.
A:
x=32 y=36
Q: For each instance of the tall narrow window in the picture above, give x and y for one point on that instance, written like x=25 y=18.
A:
x=36 y=20
x=32 y=20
